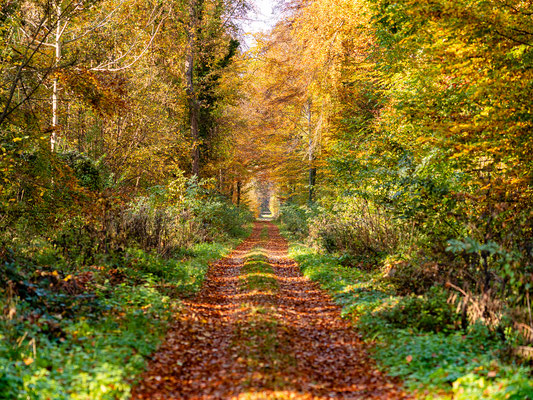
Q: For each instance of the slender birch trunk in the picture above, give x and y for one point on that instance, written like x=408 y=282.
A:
x=55 y=90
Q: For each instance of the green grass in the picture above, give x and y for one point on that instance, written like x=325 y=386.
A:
x=417 y=338
x=92 y=345
x=258 y=337
x=258 y=274
x=262 y=348
x=264 y=233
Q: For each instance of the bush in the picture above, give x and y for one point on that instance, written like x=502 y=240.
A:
x=221 y=218
x=160 y=226
x=295 y=219
x=414 y=273
x=355 y=227
x=428 y=313
x=172 y=218
x=89 y=172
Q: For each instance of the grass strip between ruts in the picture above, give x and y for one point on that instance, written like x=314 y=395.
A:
x=257 y=337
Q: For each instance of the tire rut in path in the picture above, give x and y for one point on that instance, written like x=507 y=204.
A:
x=233 y=341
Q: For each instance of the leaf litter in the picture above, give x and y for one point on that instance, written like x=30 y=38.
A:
x=258 y=329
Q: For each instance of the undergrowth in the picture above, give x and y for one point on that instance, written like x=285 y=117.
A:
x=419 y=338
x=86 y=336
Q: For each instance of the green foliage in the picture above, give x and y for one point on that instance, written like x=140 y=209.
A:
x=294 y=219
x=82 y=355
x=179 y=215
x=488 y=259
x=436 y=361
x=512 y=383
x=182 y=275
x=417 y=338
x=428 y=313
x=224 y=218
x=79 y=331
x=150 y=265
x=360 y=232
x=88 y=172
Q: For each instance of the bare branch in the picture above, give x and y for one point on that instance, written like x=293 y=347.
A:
x=97 y=25
x=105 y=67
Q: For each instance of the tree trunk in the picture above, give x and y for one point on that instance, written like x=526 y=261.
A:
x=55 y=90
x=239 y=185
x=311 y=150
x=312 y=183
x=194 y=109
x=195 y=116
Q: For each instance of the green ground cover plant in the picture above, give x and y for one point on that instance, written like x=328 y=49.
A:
x=419 y=338
x=258 y=274
x=90 y=279
x=87 y=336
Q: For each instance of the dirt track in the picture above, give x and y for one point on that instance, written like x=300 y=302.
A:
x=260 y=330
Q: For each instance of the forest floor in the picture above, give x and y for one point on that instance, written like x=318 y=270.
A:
x=258 y=329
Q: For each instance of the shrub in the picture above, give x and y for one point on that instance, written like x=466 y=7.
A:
x=220 y=217
x=163 y=227
x=414 y=273
x=429 y=313
x=356 y=227
x=89 y=172
x=294 y=219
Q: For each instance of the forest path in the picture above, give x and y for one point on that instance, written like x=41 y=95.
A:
x=260 y=330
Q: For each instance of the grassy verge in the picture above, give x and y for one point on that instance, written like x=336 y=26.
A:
x=87 y=336
x=418 y=338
